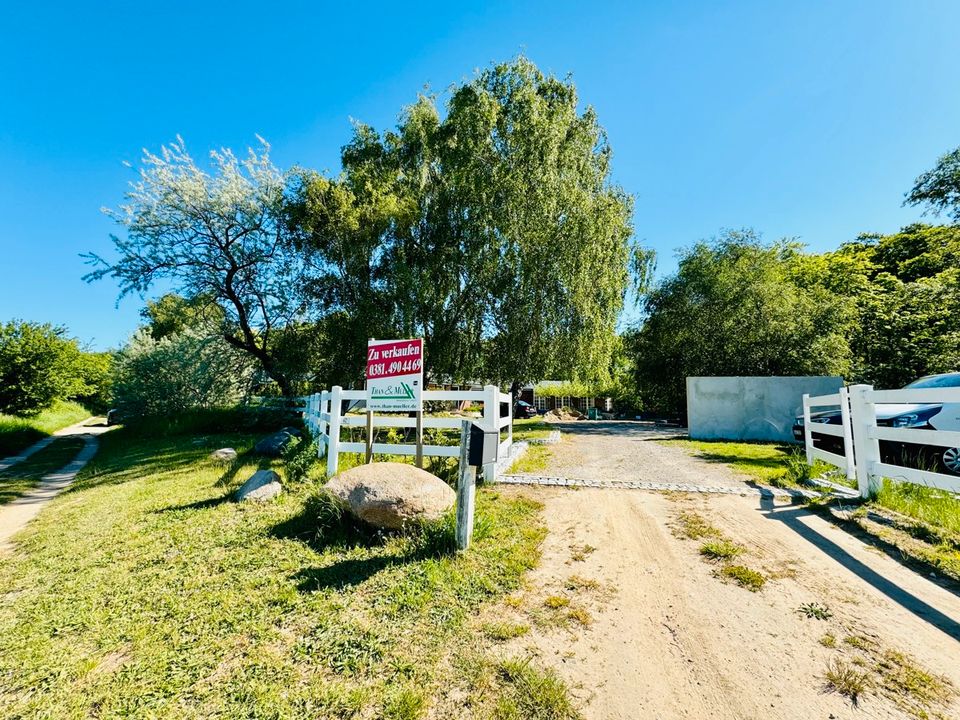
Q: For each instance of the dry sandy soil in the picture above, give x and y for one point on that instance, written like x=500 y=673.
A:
x=665 y=637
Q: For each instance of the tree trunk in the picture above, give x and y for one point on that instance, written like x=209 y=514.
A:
x=515 y=387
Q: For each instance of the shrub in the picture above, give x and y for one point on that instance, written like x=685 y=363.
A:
x=38 y=364
x=188 y=370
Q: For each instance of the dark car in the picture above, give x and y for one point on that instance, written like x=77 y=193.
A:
x=524 y=409
x=920 y=416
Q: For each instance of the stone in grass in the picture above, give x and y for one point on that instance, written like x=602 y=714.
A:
x=263 y=485
x=391 y=495
x=275 y=445
x=224 y=455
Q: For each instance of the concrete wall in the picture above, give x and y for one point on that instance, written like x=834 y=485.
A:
x=750 y=408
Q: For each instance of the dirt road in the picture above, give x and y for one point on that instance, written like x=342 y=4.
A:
x=663 y=636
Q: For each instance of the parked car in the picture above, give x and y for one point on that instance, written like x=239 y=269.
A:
x=921 y=416
x=523 y=409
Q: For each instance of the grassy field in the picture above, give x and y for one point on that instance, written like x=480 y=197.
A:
x=144 y=591
x=17 y=433
x=771 y=463
x=531 y=428
x=21 y=477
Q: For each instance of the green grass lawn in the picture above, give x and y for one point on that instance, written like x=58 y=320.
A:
x=764 y=462
x=18 y=433
x=21 y=477
x=531 y=428
x=143 y=591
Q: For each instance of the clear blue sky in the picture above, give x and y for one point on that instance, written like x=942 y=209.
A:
x=806 y=119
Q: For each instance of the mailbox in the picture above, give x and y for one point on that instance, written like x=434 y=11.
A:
x=483 y=446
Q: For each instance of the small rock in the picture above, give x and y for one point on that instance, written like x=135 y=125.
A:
x=225 y=455
x=274 y=445
x=263 y=485
x=391 y=495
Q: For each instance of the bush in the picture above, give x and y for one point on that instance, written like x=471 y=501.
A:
x=38 y=364
x=185 y=371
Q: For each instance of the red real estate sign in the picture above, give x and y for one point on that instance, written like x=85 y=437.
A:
x=395 y=374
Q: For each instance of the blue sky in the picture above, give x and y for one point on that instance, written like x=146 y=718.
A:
x=798 y=119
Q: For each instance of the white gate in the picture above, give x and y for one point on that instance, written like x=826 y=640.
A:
x=861 y=436
x=324 y=419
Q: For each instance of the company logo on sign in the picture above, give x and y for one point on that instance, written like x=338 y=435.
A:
x=395 y=374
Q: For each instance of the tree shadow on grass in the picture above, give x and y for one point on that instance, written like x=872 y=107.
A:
x=199 y=504
x=345 y=573
x=230 y=473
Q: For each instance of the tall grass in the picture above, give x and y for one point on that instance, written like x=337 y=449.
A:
x=18 y=433
x=929 y=505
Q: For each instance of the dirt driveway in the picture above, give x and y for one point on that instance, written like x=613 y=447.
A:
x=662 y=635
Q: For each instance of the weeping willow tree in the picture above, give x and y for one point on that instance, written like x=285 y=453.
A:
x=493 y=231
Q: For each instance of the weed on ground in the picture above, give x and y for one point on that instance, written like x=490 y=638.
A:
x=720 y=550
x=743 y=576
x=815 y=611
x=864 y=667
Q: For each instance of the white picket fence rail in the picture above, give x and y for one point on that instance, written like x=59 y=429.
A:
x=861 y=435
x=323 y=417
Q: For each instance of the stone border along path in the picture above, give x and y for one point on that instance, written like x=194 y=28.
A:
x=644 y=485
x=15 y=515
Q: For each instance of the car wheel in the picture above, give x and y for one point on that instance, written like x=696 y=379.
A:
x=951 y=460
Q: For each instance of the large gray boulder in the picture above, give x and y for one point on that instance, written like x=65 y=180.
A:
x=263 y=485
x=391 y=495
x=275 y=445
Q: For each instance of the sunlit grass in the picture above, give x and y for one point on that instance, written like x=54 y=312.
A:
x=145 y=591
x=17 y=433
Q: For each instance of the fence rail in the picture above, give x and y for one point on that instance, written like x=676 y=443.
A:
x=324 y=418
x=862 y=459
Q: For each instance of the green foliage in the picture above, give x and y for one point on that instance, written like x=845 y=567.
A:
x=939 y=188
x=906 y=289
x=188 y=370
x=39 y=363
x=494 y=232
x=734 y=308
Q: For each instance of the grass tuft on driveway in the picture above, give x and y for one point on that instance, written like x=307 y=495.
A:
x=144 y=591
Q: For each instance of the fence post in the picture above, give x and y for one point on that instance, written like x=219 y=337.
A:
x=863 y=417
x=323 y=398
x=848 y=452
x=466 y=490
x=510 y=426
x=333 y=431
x=491 y=423
x=807 y=433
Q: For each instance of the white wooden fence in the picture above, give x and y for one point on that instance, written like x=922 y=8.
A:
x=861 y=435
x=324 y=418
